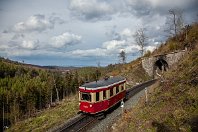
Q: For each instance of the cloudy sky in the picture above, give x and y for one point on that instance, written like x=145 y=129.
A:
x=83 y=32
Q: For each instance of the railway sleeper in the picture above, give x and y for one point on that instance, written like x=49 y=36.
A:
x=100 y=116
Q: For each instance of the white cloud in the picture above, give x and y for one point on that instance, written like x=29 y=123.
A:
x=109 y=48
x=126 y=32
x=55 y=18
x=151 y=7
x=65 y=39
x=170 y=3
x=4 y=42
x=150 y=48
x=91 y=9
x=137 y=8
x=89 y=52
x=114 y=44
x=34 y=23
x=17 y=41
x=30 y=44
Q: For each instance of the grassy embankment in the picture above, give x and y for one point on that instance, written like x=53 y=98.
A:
x=173 y=106
x=49 y=118
x=132 y=71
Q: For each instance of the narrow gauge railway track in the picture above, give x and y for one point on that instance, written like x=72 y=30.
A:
x=83 y=126
x=78 y=124
x=132 y=91
x=82 y=122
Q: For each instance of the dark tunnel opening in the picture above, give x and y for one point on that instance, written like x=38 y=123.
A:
x=161 y=64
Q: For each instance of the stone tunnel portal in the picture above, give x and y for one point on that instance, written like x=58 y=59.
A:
x=161 y=64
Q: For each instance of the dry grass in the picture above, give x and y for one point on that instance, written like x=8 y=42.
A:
x=133 y=72
x=50 y=117
x=174 y=102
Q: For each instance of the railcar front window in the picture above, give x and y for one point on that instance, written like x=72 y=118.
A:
x=86 y=96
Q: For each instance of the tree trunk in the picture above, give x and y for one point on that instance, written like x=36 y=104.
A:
x=175 y=26
x=57 y=94
x=63 y=93
x=51 y=97
x=15 y=114
x=3 y=115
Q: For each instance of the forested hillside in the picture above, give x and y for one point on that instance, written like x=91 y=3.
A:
x=25 y=90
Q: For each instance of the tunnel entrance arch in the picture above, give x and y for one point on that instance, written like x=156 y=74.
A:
x=161 y=64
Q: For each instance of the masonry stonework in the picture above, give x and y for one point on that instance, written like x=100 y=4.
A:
x=148 y=63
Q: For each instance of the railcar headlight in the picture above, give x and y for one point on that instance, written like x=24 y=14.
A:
x=90 y=105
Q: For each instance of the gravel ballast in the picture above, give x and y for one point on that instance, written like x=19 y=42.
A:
x=106 y=124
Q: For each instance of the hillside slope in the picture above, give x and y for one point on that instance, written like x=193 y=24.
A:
x=173 y=106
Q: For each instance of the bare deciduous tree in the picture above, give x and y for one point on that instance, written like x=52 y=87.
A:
x=122 y=57
x=141 y=39
x=175 y=22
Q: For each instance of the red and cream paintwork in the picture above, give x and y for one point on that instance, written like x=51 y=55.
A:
x=105 y=101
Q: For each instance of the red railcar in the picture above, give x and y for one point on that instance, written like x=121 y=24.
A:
x=99 y=96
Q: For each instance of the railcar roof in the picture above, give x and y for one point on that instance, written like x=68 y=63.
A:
x=103 y=83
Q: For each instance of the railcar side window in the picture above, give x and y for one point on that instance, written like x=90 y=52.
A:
x=111 y=92
x=122 y=87
x=86 y=96
x=104 y=94
x=117 y=89
x=97 y=96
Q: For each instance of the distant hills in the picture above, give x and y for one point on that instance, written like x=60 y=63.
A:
x=61 y=68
